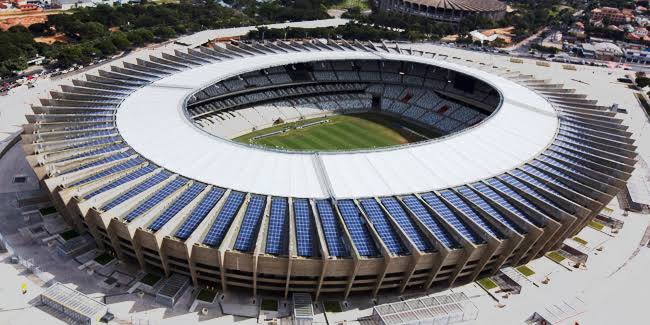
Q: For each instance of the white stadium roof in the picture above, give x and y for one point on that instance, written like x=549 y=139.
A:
x=153 y=122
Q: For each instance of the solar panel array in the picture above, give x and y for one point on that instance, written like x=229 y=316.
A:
x=496 y=197
x=357 y=228
x=111 y=158
x=560 y=165
x=304 y=227
x=573 y=143
x=207 y=203
x=190 y=194
x=571 y=146
x=382 y=226
x=518 y=184
x=158 y=197
x=443 y=211
x=533 y=171
x=275 y=237
x=548 y=170
x=331 y=229
x=109 y=171
x=578 y=146
x=124 y=179
x=99 y=142
x=567 y=153
x=455 y=200
x=250 y=224
x=99 y=151
x=224 y=219
x=152 y=181
x=90 y=135
x=534 y=181
x=430 y=221
x=407 y=224
x=470 y=195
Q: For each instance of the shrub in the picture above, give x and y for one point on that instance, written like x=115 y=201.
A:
x=642 y=81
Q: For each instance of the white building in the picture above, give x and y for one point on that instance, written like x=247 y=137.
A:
x=71 y=4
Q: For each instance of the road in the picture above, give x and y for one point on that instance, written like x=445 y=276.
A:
x=525 y=43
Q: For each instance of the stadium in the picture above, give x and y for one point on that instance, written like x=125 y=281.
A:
x=446 y=11
x=327 y=167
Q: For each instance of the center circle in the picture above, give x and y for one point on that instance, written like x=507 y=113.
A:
x=342 y=105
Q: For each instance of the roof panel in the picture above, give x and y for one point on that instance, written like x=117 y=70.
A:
x=522 y=128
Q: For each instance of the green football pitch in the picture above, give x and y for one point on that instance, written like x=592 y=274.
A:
x=341 y=132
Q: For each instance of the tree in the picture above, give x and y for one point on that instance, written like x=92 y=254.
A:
x=69 y=55
x=642 y=81
x=92 y=30
x=140 y=36
x=89 y=52
x=164 y=32
x=40 y=29
x=120 y=40
x=106 y=47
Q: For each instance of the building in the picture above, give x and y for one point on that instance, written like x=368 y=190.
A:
x=446 y=11
x=554 y=40
x=139 y=157
x=640 y=31
x=608 y=51
x=71 y=4
x=613 y=15
x=491 y=35
x=601 y=51
x=588 y=50
x=637 y=56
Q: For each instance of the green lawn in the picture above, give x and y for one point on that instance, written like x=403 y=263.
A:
x=341 y=132
x=104 y=259
x=555 y=256
x=67 y=235
x=580 y=240
x=332 y=306
x=46 y=211
x=150 y=279
x=525 y=270
x=487 y=283
x=206 y=295
x=269 y=304
x=596 y=225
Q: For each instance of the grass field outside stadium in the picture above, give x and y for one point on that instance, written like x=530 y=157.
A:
x=341 y=132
